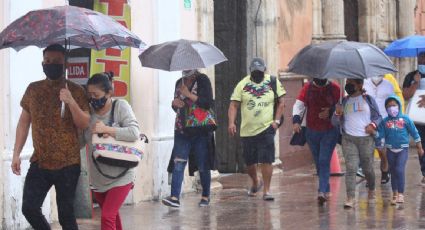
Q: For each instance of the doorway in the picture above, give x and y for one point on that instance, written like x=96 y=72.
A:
x=230 y=33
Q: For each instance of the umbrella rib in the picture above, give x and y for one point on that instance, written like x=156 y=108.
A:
x=116 y=42
x=95 y=43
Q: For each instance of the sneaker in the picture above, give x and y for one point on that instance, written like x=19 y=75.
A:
x=349 y=203
x=360 y=173
x=371 y=197
x=321 y=198
x=268 y=197
x=168 y=201
x=400 y=198
x=253 y=191
x=204 y=202
x=385 y=177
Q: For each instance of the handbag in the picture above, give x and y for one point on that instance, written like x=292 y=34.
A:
x=112 y=152
x=199 y=118
x=299 y=138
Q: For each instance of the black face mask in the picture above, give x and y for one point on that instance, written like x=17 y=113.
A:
x=53 y=71
x=257 y=76
x=320 y=82
x=350 y=88
x=97 y=104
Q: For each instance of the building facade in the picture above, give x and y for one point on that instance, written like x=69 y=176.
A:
x=274 y=29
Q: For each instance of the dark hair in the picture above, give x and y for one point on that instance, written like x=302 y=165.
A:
x=55 y=47
x=102 y=80
x=359 y=81
x=389 y=100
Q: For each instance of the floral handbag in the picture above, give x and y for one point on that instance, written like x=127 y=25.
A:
x=199 y=118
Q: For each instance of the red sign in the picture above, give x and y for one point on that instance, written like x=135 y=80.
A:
x=77 y=70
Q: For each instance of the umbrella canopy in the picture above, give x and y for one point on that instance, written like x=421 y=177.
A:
x=67 y=25
x=409 y=46
x=342 y=59
x=181 y=55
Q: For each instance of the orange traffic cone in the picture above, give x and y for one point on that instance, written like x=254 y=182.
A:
x=335 y=166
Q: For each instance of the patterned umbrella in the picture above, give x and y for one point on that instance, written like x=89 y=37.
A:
x=181 y=55
x=67 y=25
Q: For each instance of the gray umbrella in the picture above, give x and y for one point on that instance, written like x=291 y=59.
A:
x=342 y=59
x=181 y=55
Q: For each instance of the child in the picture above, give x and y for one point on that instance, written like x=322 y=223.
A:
x=395 y=130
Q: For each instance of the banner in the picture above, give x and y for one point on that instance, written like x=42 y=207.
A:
x=115 y=60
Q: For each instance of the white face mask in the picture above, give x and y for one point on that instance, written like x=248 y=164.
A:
x=376 y=80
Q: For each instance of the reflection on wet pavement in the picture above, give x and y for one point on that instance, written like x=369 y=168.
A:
x=295 y=206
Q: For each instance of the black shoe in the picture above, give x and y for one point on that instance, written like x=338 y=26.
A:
x=204 y=202
x=385 y=177
x=168 y=201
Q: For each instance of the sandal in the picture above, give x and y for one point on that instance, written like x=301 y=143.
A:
x=400 y=198
x=253 y=191
x=349 y=203
x=394 y=200
x=268 y=197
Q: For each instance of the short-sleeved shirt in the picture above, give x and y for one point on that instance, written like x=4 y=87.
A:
x=55 y=139
x=380 y=93
x=257 y=104
x=357 y=116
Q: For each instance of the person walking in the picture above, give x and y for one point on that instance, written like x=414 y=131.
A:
x=255 y=96
x=380 y=89
x=395 y=130
x=410 y=84
x=359 y=117
x=109 y=192
x=56 y=157
x=318 y=98
x=193 y=93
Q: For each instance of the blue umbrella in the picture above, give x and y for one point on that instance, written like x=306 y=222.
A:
x=409 y=46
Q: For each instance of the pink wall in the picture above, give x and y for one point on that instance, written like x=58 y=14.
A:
x=295 y=29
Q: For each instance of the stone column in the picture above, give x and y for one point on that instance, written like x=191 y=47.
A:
x=205 y=16
x=406 y=27
x=333 y=19
x=317 y=21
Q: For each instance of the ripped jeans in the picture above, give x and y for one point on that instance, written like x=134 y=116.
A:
x=182 y=148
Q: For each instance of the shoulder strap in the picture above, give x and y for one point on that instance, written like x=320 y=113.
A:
x=106 y=175
x=273 y=84
x=111 y=119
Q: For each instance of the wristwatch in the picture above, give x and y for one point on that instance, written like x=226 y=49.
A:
x=277 y=122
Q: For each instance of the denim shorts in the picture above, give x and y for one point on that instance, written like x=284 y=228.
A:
x=259 y=148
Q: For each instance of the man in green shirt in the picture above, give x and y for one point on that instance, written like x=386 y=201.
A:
x=255 y=96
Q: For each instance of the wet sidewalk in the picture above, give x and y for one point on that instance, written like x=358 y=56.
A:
x=295 y=206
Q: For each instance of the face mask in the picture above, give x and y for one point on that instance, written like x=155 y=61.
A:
x=53 y=71
x=421 y=69
x=393 y=111
x=257 y=76
x=97 y=104
x=350 y=88
x=320 y=82
x=377 y=80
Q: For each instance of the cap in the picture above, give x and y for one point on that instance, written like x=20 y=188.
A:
x=187 y=73
x=257 y=63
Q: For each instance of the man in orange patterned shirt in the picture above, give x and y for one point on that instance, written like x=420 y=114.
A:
x=56 y=157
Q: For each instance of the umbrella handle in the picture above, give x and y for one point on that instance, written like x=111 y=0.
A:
x=67 y=48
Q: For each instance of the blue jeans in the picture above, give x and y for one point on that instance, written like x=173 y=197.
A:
x=183 y=145
x=397 y=163
x=322 y=144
